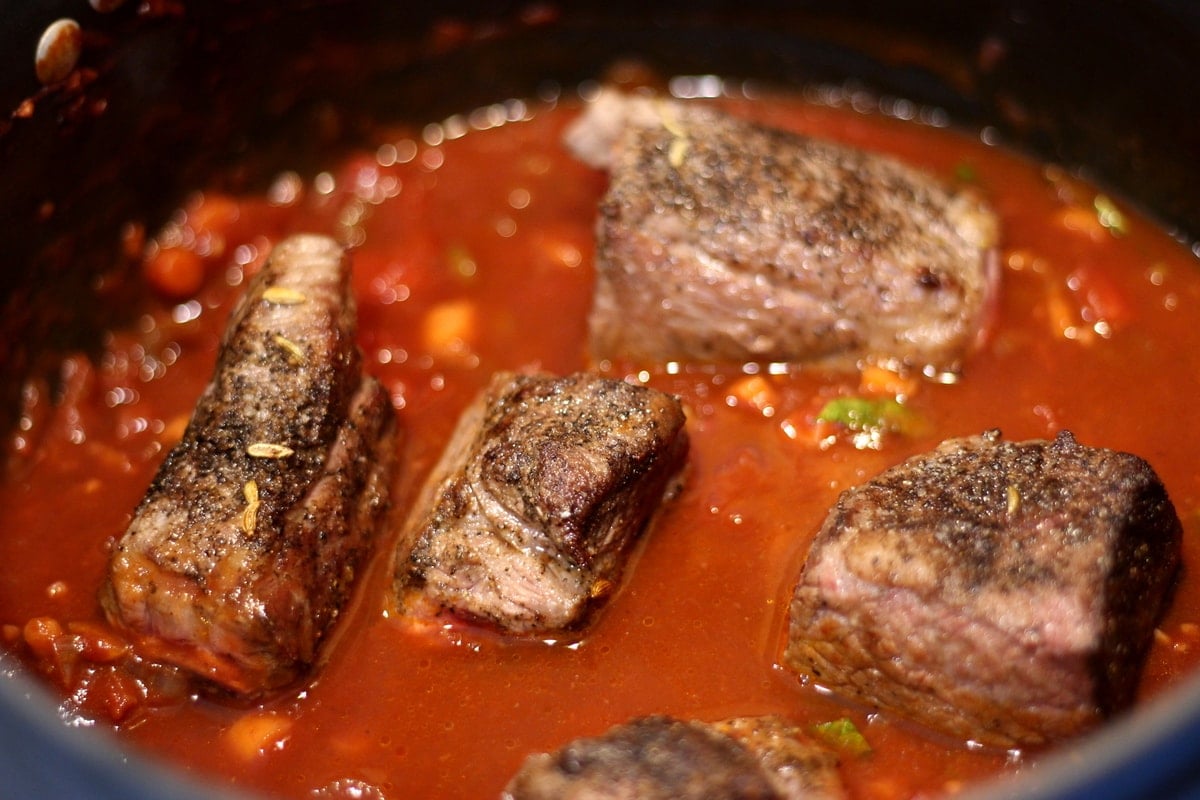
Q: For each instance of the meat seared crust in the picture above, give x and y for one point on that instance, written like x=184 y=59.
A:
x=241 y=555
x=526 y=521
x=720 y=240
x=660 y=757
x=995 y=591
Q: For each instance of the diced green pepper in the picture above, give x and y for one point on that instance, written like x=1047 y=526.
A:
x=861 y=413
x=869 y=420
x=844 y=735
x=1110 y=216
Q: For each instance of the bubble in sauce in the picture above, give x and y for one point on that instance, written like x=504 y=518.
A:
x=58 y=51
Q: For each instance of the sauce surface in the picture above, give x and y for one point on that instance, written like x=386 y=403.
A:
x=472 y=243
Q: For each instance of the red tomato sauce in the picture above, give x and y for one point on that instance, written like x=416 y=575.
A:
x=472 y=244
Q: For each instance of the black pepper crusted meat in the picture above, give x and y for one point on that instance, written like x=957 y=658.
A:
x=995 y=591
x=720 y=240
x=241 y=555
x=658 y=757
x=529 y=516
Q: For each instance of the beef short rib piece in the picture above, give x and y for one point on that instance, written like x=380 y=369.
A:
x=248 y=542
x=658 y=757
x=720 y=240
x=995 y=591
x=526 y=521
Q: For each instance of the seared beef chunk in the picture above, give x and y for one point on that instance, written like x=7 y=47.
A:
x=660 y=757
x=529 y=516
x=996 y=591
x=724 y=241
x=248 y=542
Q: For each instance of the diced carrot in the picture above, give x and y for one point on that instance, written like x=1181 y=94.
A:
x=878 y=380
x=116 y=693
x=1082 y=220
x=174 y=273
x=40 y=633
x=211 y=213
x=1098 y=293
x=800 y=427
x=756 y=392
x=1063 y=317
x=174 y=428
x=449 y=330
x=99 y=644
x=258 y=732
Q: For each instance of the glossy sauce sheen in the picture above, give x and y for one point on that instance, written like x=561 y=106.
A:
x=472 y=255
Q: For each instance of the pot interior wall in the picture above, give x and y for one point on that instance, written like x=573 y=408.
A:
x=171 y=96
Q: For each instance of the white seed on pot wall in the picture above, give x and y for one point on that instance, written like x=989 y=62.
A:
x=58 y=51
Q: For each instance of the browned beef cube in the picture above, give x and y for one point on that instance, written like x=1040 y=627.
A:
x=248 y=543
x=527 y=520
x=995 y=591
x=659 y=758
x=720 y=240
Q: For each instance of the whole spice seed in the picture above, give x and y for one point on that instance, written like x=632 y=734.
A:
x=58 y=51
x=678 y=149
x=678 y=152
x=269 y=450
x=250 y=515
x=1014 y=499
x=601 y=588
x=283 y=296
x=295 y=352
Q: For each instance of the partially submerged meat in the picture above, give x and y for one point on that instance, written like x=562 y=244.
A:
x=660 y=757
x=526 y=521
x=995 y=591
x=247 y=544
x=720 y=240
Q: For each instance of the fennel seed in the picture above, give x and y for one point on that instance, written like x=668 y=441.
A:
x=250 y=514
x=283 y=296
x=295 y=352
x=268 y=450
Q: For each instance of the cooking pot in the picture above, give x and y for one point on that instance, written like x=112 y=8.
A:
x=169 y=95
